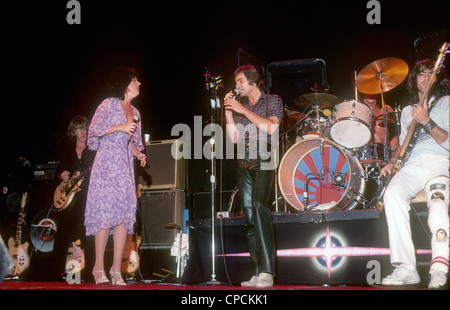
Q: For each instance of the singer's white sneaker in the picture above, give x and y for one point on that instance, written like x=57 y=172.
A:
x=250 y=283
x=265 y=280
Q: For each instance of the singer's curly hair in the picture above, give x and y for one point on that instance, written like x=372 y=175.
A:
x=119 y=80
x=441 y=86
x=251 y=74
x=77 y=122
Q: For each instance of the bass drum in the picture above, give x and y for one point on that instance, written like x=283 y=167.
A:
x=317 y=174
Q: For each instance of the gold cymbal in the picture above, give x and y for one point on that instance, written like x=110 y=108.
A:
x=391 y=71
x=322 y=100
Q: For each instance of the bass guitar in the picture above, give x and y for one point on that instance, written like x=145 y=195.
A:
x=17 y=250
x=65 y=192
x=413 y=131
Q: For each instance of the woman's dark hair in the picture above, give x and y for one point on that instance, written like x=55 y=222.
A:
x=77 y=122
x=442 y=84
x=251 y=74
x=119 y=80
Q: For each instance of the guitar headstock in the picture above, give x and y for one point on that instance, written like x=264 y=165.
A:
x=441 y=57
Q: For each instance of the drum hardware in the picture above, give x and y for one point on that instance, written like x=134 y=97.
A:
x=298 y=118
x=338 y=180
x=360 y=198
x=306 y=186
x=317 y=101
x=393 y=117
x=320 y=102
x=291 y=121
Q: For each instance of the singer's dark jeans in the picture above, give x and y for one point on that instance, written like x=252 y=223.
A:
x=254 y=190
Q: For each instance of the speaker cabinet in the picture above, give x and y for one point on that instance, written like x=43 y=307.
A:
x=163 y=171
x=159 y=208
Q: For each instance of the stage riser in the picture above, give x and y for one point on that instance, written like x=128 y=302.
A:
x=367 y=235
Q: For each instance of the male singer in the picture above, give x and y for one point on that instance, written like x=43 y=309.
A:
x=253 y=126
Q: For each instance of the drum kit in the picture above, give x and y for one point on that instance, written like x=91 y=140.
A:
x=329 y=162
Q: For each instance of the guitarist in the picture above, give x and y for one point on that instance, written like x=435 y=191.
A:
x=75 y=156
x=426 y=168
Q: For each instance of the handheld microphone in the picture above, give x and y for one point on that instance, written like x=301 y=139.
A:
x=236 y=92
x=135 y=120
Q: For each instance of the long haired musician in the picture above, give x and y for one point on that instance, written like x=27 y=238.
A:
x=426 y=168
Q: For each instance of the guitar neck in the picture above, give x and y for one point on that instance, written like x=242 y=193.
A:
x=19 y=224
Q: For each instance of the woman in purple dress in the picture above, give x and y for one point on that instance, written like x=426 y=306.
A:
x=115 y=133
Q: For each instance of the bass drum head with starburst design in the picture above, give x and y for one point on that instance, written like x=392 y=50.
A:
x=317 y=174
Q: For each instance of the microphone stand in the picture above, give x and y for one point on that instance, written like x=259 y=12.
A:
x=215 y=104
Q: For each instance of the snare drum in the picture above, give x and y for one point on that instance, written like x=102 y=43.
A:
x=351 y=124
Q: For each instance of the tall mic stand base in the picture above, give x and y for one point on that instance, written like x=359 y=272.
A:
x=213 y=282
x=173 y=281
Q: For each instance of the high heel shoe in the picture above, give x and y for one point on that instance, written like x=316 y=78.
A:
x=102 y=279
x=116 y=278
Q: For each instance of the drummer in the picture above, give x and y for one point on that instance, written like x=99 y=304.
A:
x=378 y=129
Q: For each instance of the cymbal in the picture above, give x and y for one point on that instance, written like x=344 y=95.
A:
x=391 y=70
x=292 y=114
x=290 y=118
x=322 y=100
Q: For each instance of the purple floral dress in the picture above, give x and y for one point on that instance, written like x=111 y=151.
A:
x=111 y=199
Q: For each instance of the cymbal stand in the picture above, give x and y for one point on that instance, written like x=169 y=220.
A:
x=319 y=130
x=386 y=141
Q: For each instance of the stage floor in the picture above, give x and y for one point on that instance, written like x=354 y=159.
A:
x=49 y=294
x=9 y=285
